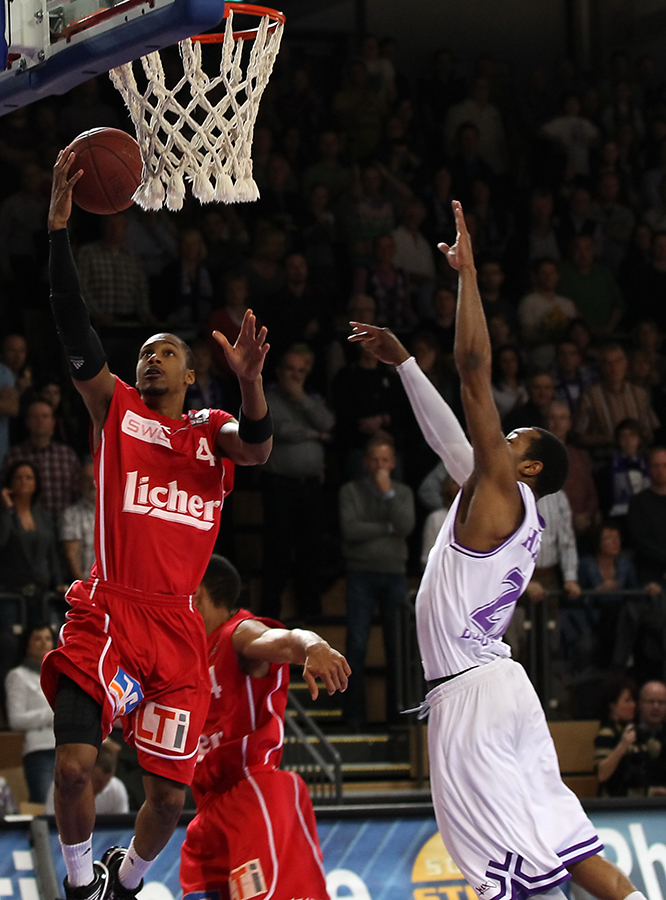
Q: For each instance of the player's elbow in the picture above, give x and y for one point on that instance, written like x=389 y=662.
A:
x=255 y=454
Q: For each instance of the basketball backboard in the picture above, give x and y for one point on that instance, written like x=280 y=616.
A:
x=49 y=46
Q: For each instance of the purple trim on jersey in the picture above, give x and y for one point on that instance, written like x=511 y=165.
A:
x=481 y=554
x=536 y=884
x=593 y=846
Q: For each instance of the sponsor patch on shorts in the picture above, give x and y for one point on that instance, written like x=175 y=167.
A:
x=126 y=693
x=165 y=727
x=247 y=881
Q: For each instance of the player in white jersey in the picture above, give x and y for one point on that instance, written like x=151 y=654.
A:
x=509 y=822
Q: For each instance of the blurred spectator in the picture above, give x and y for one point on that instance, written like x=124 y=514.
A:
x=604 y=405
x=651 y=733
x=491 y=281
x=226 y=239
x=292 y=487
x=646 y=293
x=396 y=152
x=9 y=406
x=616 y=219
x=535 y=238
x=508 y=380
x=623 y=108
x=264 y=269
x=544 y=314
x=500 y=331
x=372 y=213
x=414 y=255
x=368 y=402
x=320 y=242
x=153 y=237
x=388 y=285
x=653 y=178
x=29 y=562
x=328 y=170
x=66 y=429
x=360 y=110
x=648 y=337
x=15 y=356
x=574 y=133
x=579 y=486
x=110 y=793
x=228 y=318
x=440 y=224
x=557 y=560
x=486 y=117
x=616 y=752
x=466 y=162
x=647 y=521
x=435 y=519
x=28 y=710
x=294 y=314
x=280 y=203
x=209 y=391
x=58 y=465
x=578 y=219
x=637 y=257
x=376 y=517
x=85 y=110
x=300 y=106
x=112 y=280
x=655 y=218
x=572 y=375
x=381 y=74
x=443 y=323
x=77 y=527
x=186 y=290
x=532 y=413
x=439 y=90
x=591 y=286
x=627 y=473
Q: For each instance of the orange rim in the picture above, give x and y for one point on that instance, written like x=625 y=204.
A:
x=250 y=33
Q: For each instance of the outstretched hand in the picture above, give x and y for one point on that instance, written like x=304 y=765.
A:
x=246 y=357
x=331 y=667
x=60 y=208
x=460 y=255
x=381 y=342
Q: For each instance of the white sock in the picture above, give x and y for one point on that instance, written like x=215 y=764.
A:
x=133 y=868
x=79 y=862
x=635 y=895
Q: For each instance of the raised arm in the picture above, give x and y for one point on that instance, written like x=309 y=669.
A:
x=87 y=361
x=256 y=645
x=437 y=421
x=250 y=441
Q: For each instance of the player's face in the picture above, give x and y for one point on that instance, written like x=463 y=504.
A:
x=520 y=440
x=162 y=367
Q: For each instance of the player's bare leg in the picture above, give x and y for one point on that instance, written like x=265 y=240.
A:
x=155 y=823
x=602 y=879
x=73 y=796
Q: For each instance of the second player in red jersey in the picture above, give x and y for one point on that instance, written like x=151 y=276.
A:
x=133 y=645
x=254 y=834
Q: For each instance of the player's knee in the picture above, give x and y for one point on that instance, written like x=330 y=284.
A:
x=167 y=799
x=73 y=768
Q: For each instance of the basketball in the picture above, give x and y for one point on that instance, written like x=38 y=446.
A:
x=111 y=163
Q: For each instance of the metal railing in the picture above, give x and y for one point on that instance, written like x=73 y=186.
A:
x=310 y=754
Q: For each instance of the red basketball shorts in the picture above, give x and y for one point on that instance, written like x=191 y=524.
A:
x=143 y=658
x=258 y=839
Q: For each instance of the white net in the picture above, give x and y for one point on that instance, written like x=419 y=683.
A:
x=199 y=131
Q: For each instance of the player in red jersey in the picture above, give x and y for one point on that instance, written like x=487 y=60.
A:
x=133 y=646
x=254 y=834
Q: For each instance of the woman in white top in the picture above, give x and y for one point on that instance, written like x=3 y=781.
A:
x=28 y=710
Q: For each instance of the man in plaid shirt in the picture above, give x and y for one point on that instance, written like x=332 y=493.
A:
x=58 y=465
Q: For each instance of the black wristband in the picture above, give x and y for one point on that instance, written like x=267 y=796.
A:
x=255 y=431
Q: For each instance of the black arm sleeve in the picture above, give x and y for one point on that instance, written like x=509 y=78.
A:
x=84 y=350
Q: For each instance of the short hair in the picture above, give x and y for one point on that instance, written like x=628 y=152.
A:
x=551 y=452
x=300 y=349
x=222 y=581
x=632 y=425
x=379 y=440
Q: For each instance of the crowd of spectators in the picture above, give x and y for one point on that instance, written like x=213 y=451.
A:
x=563 y=183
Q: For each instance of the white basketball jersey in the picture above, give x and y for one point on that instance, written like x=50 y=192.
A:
x=466 y=598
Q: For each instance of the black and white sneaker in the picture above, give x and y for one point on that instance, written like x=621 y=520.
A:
x=96 y=890
x=112 y=859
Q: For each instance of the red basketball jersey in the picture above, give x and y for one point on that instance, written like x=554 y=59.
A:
x=160 y=489
x=244 y=730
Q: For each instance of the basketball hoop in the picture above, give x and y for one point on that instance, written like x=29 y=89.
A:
x=188 y=132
